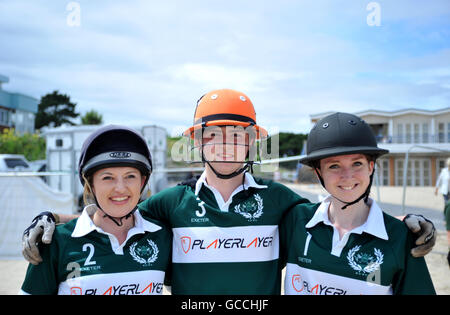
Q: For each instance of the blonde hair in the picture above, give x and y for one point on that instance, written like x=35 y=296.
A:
x=88 y=194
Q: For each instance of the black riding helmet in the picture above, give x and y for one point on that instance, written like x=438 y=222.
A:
x=111 y=146
x=341 y=134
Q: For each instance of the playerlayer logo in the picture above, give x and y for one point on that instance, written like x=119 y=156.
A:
x=233 y=244
x=226 y=243
x=121 y=283
x=121 y=289
x=301 y=280
x=303 y=287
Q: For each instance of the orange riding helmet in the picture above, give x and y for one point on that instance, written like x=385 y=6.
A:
x=225 y=108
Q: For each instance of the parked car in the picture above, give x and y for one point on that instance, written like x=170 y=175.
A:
x=39 y=166
x=13 y=163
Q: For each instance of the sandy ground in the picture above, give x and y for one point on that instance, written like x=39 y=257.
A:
x=12 y=270
x=438 y=266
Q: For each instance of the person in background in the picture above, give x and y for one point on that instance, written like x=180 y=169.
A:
x=443 y=187
x=443 y=182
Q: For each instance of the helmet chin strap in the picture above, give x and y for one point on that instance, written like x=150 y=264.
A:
x=365 y=195
x=248 y=166
x=116 y=220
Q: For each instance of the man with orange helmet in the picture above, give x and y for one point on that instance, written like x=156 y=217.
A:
x=225 y=226
x=226 y=118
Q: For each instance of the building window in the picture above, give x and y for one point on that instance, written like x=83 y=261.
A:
x=384 y=172
x=399 y=171
x=448 y=132
x=416 y=133
x=4 y=117
x=441 y=133
x=417 y=176
x=409 y=181
x=417 y=173
x=408 y=133
x=425 y=133
x=400 y=133
x=426 y=173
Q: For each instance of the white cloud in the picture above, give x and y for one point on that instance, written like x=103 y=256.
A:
x=149 y=61
x=214 y=76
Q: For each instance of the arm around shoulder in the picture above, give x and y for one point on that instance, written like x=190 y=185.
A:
x=159 y=206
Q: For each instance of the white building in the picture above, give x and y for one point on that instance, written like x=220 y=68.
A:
x=422 y=134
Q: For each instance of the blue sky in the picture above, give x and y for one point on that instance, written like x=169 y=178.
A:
x=147 y=62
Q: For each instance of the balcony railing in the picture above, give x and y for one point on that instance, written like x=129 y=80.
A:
x=414 y=138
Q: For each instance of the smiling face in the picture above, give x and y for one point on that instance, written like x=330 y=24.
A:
x=346 y=177
x=118 y=189
x=223 y=145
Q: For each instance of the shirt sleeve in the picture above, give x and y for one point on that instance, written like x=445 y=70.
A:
x=42 y=279
x=287 y=198
x=159 y=206
x=285 y=230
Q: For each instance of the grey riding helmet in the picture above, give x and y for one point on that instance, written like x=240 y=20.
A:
x=340 y=134
x=111 y=146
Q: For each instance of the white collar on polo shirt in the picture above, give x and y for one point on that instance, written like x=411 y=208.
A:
x=249 y=181
x=374 y=224
x=85 y=225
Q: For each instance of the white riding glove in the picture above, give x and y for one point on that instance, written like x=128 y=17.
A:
x=40 y=230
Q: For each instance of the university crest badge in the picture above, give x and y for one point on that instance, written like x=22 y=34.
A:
x=144 y=254
x=364 y=263
x=251 y=210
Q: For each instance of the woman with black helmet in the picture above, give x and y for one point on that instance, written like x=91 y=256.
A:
x=346 y=244
x=110 y=248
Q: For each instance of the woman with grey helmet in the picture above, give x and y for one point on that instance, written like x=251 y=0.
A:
x=110 y=249
x=346 y=244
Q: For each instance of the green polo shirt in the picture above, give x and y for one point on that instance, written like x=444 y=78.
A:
x=83 y=259
x=373 y=258
x=223 y=247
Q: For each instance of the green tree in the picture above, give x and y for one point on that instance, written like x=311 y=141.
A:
x=32 y=146
x=55 y=109
x=290 y=144
x=92 y=117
